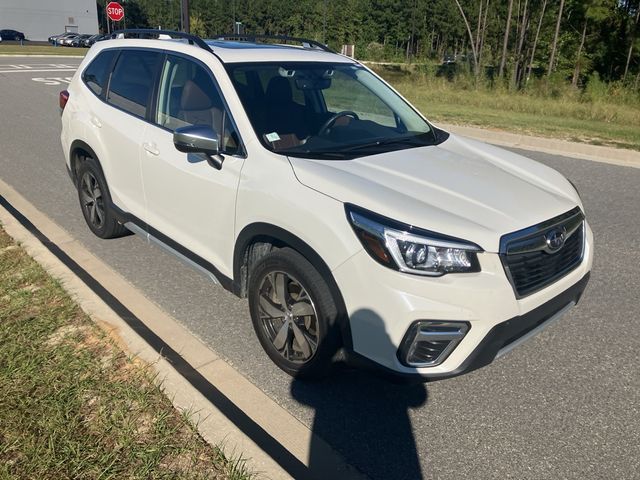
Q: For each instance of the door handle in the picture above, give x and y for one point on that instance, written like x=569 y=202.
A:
x=151 y=148
x=96 y=122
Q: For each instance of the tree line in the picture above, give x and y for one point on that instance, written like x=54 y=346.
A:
x=511 y=40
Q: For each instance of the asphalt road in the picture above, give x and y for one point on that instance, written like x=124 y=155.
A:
x=564 y=405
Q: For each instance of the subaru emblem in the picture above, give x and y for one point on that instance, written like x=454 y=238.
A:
x=555 y=240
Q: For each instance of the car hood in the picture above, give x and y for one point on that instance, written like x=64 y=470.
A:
x=461 y=187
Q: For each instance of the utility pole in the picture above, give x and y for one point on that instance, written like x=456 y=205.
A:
x=185 y=15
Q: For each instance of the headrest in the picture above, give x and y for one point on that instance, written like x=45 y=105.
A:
x=194 y=98
x=279 y=90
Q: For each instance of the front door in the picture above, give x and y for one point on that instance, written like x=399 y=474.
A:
x=188 y=200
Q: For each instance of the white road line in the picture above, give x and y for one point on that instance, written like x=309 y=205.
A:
x=39 y=71
x=31 y=66
x=52 y=80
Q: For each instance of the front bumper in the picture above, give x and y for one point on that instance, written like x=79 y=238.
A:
x=382 y=305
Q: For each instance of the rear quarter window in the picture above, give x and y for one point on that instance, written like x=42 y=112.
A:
x=132 y=80
x=95 y=76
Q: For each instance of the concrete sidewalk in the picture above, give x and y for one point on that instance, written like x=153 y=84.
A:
x=596 y=153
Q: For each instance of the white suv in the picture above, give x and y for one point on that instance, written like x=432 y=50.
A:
x=298 y=178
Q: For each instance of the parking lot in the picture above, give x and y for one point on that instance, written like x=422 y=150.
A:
x=564 y=405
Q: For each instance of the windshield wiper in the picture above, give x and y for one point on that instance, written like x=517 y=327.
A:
x=340 y=155
x=413 y=140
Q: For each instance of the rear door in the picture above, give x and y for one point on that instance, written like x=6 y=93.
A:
x=189 y=201
x=123 y=124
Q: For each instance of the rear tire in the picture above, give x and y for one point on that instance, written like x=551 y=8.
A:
x=95 y=201
x=294 y=314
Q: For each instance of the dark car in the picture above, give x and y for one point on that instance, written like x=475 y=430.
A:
x=12 y=35
x=78 y=41
x=87 y=42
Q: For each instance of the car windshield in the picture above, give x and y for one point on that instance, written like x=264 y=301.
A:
x=326 y=111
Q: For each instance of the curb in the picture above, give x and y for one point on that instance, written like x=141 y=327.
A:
x=583 y=151
x=226 y=408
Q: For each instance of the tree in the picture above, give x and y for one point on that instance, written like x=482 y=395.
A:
x=633 y=39
x=554 y=45
x=535 y=40
x=473 y=48
x=505 y=42
x=524 y=26
x=592 y=11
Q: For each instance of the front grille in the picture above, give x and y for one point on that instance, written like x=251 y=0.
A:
x=530 y=259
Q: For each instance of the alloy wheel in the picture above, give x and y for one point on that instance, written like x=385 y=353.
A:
x=92 y=202
x=289 y=317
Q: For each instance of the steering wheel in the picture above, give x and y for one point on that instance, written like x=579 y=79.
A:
x=345 y=113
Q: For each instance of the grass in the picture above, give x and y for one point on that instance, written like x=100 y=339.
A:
x=565 y=114
x=72 y=405
x=14 y=48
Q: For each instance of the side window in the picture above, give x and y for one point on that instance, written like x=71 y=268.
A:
x=188 y=96
x=95 y=76
x=132 y=80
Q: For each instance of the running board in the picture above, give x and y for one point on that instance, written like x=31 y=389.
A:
x=187 y=261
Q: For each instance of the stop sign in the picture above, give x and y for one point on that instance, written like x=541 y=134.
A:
x=115 y=11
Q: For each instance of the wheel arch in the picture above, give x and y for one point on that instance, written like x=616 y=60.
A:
x=265 y=237
x=76 y=151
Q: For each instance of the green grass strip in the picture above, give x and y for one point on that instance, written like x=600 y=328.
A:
x=73 y=405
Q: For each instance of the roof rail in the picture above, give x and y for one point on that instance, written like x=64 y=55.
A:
x=152 y=33
x=307 y=43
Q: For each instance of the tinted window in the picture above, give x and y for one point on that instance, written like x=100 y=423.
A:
x=132 y=80
x=188 y=96
x=97 y=73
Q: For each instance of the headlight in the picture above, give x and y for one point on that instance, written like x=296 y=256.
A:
x=409 y=249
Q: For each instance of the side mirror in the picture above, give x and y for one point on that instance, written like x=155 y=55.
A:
x=199 y=139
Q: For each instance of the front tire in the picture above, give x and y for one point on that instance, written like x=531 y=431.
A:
x=95 y=201
x=294 y=314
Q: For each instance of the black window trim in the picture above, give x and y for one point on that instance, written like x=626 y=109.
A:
x=109 y=71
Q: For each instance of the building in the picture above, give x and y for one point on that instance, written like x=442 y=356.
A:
x=39 y=19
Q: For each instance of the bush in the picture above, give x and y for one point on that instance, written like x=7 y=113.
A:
x=596 y=90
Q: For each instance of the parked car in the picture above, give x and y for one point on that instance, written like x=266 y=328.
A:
x=66 y=40
x=78 y=41
x=56 y=39
x=14 y=35
x=87 y=42
x=299 y=179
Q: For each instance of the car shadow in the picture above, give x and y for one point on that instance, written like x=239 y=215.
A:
x=365 y=417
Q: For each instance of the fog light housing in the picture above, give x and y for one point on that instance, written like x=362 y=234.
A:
x=428 y=343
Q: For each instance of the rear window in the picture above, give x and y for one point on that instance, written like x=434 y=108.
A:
x=96 y=74
x=132 y=80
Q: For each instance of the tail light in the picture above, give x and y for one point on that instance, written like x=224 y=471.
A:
x=64 y=98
